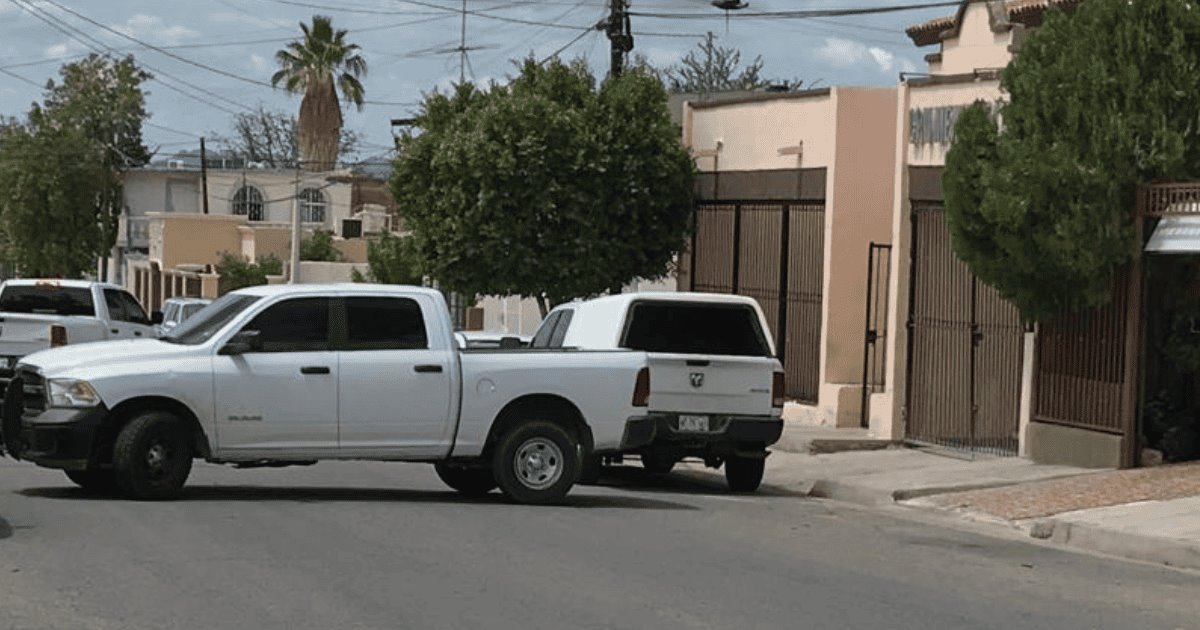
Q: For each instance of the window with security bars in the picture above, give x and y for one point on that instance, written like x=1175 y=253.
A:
x=312 y=206
x=248 y=202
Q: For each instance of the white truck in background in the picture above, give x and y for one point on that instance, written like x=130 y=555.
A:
x=290 y=375
x=40 y=314
x=715 y=386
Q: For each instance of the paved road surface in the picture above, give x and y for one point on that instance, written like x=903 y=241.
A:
x=355 y=545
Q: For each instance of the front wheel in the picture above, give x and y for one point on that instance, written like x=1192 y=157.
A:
x=96 y=481
x=471 y=482
x=153 y=456
x=537 y=463
x=744 y=474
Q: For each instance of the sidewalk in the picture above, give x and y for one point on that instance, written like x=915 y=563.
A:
x=1148 y=514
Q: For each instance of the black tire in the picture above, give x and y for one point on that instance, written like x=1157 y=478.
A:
x=153 y=456
x=471 y=482
x=744 y=474
x=537 y=463
x=95 y=481
x=656 y=463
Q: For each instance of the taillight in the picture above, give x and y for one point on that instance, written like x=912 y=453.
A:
x=58 y=335
x=777 y=390
x=641 y=389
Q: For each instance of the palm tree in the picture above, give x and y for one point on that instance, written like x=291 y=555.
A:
x=320 y=65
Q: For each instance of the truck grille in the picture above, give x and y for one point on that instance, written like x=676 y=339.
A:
x=35 y=389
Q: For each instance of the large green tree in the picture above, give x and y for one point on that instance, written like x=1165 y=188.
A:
x=51 y=182
x=1098 y=102
x=61 y=182
x=546 y=187
x=320 y=65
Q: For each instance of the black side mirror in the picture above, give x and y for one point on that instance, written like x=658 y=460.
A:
x=241 y=343
x=156 y=317
x=509 y=343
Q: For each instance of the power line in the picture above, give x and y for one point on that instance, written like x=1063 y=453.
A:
x=100 y=47
x=800 y=14
x=476 y=12
x=568 y=44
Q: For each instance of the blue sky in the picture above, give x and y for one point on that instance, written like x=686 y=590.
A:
x=405 y=45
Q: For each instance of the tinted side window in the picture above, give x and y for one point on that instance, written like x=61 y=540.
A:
x=542 y=338
x=116 y=307
x=298 y=325
x=695 y=328
x=560 y=329
x=374 y=323
x=133 y=310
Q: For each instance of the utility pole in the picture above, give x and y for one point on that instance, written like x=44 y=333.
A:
x=620 y=35
x=204 y=174
x=462 y=46
x=294 y=261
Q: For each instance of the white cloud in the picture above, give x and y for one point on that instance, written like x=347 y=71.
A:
x=153 y=29
x=57 y=50
x=846 y=53
x=259 y=62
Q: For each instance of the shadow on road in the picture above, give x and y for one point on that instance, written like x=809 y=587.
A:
x=682 y=481
x=6 y=530
x=316 y=494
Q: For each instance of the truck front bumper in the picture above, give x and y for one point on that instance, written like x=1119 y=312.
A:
x=728 y=431
x=58 y=438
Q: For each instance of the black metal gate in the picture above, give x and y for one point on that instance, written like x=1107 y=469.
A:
x=772 y=251
x=965 y=349
x=879 y=273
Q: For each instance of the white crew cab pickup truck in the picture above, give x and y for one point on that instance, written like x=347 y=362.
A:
x=281 y=375
x=40 y=314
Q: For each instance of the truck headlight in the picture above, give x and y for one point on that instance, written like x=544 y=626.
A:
x=69 y=392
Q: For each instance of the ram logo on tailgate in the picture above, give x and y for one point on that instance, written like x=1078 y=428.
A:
x=697 y=379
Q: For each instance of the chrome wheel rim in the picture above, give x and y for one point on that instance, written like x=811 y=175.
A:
x=539 y=463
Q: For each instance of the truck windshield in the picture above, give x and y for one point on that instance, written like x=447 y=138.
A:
x=47 y=299
x=209 y=321
x=694 y=328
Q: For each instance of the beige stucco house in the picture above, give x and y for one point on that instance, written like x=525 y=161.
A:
x=794 y=190
x=172 y=235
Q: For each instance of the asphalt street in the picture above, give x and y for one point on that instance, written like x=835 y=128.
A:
x=369 y=545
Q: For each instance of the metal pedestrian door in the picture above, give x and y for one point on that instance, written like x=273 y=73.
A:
x=965 y=349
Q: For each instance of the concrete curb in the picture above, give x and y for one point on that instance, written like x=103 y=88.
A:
x=1165 y=551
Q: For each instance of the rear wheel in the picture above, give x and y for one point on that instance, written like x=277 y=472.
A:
x=537 y=462
x=153 y=456
x=471 y=482
x=744 y=474
x=94 y=480
x=657 y=463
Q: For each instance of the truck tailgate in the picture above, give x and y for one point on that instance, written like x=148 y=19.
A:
x=23 y=334
x=683 y=383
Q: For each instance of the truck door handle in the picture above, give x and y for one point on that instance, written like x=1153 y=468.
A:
x=137 y=333
x=428 y=369
x=314 y=369
x=116 y=331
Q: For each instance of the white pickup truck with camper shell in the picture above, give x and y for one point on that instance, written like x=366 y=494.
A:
x=281 y=375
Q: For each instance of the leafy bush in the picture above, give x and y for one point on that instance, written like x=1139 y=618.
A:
x=238 y=273
x=391 y=260
x=319 y=247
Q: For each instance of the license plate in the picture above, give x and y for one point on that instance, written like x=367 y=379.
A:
x=694 y=424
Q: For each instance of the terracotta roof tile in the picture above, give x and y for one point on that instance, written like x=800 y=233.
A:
x=1028 y=12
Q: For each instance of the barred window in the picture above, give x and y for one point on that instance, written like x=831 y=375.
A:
x=248 y=201
x=312 y=206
